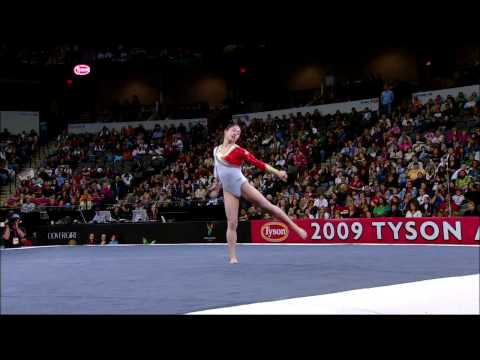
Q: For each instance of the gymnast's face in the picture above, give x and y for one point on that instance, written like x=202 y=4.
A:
x=233 y=133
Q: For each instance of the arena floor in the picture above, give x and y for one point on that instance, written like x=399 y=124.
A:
x=270 y=279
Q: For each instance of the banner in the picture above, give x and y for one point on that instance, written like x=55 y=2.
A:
x=139 y=233
x=95 y=128
x=459 y=230
x=425 y=96
x=328 y=109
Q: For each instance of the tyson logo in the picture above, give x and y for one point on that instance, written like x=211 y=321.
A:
x=274 y=231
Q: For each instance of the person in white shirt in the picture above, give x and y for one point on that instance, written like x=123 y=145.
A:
x=458 y=198
x=367 y=115
x=179 y=145
x=470 y=104
x=27 y=206
x=321 y=202
x=455 y=174
x=127 y=179
x=98 y=218
x=423 y=197
x=413 y=210
x=280 y=161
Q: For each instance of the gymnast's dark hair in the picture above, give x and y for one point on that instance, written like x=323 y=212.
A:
x=230 y=125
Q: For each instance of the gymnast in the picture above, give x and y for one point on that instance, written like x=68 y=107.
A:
x=228 y=160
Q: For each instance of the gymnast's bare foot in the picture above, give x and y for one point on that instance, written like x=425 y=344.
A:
x=233 y=261
x=302 y=233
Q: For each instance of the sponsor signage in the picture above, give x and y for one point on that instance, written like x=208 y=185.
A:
x=459 y=230
x=81 y=70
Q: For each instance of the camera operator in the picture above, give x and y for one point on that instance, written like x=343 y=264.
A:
x=14 y=235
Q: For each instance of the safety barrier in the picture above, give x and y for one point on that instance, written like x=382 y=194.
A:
x=444 y=231
x=141 y=233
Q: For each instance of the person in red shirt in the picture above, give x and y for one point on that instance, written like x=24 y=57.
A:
x=299 y=160
x=444 y=206
x=356 y=184
x=229 y=158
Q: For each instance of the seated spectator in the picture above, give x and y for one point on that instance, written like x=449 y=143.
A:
x=86 y=200
x=27 y=206
x=449 y=206
x=91 y=239
x=5 y=173
x=458 y=198
x=413 y=210
x=113 y=240
x=381 y=209
x=98 y=218
x=103 y=239
x=463 y=181
x=395 y=211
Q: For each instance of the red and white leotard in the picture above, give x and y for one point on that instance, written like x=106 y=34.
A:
x=239 y=155
x=228 y=168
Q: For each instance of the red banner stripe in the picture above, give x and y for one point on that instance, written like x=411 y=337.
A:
x=456 y=230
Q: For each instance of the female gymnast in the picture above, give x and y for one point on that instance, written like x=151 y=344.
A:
x=228 y=158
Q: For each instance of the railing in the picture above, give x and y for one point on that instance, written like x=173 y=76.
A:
x=40 y=151
x=177 y=203
x=176 y=210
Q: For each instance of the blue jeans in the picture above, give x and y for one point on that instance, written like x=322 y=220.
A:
x=387 y=109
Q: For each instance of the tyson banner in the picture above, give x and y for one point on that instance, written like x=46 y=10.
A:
x=455 y=230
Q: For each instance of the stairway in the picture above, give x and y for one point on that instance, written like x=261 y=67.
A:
x=7 y=190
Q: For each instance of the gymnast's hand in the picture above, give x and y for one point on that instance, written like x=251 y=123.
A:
x=283 y=175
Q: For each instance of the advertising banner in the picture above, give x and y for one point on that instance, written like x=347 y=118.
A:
x=141 y=233
x=455 y=231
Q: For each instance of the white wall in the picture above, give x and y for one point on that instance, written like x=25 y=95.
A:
x=18 y=121
x=425 y=96
x=95 y=128
x=328 y=109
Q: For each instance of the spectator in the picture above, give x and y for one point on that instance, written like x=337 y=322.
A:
x=381 y=209
x=113 y=240
x=413 y=210
x=27 y=206
x=387 y=98
x=395 y=212
x=5 y=173
x=86 y=202
x=98 y=218
x=103 y=239
x=458 y=198
x=91 y=239
x=14 y=235
x=463 y=181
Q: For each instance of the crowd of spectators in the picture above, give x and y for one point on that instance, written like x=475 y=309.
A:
x=412 y=162
x=393 y=166
x=15 y=152
x=131 y=169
